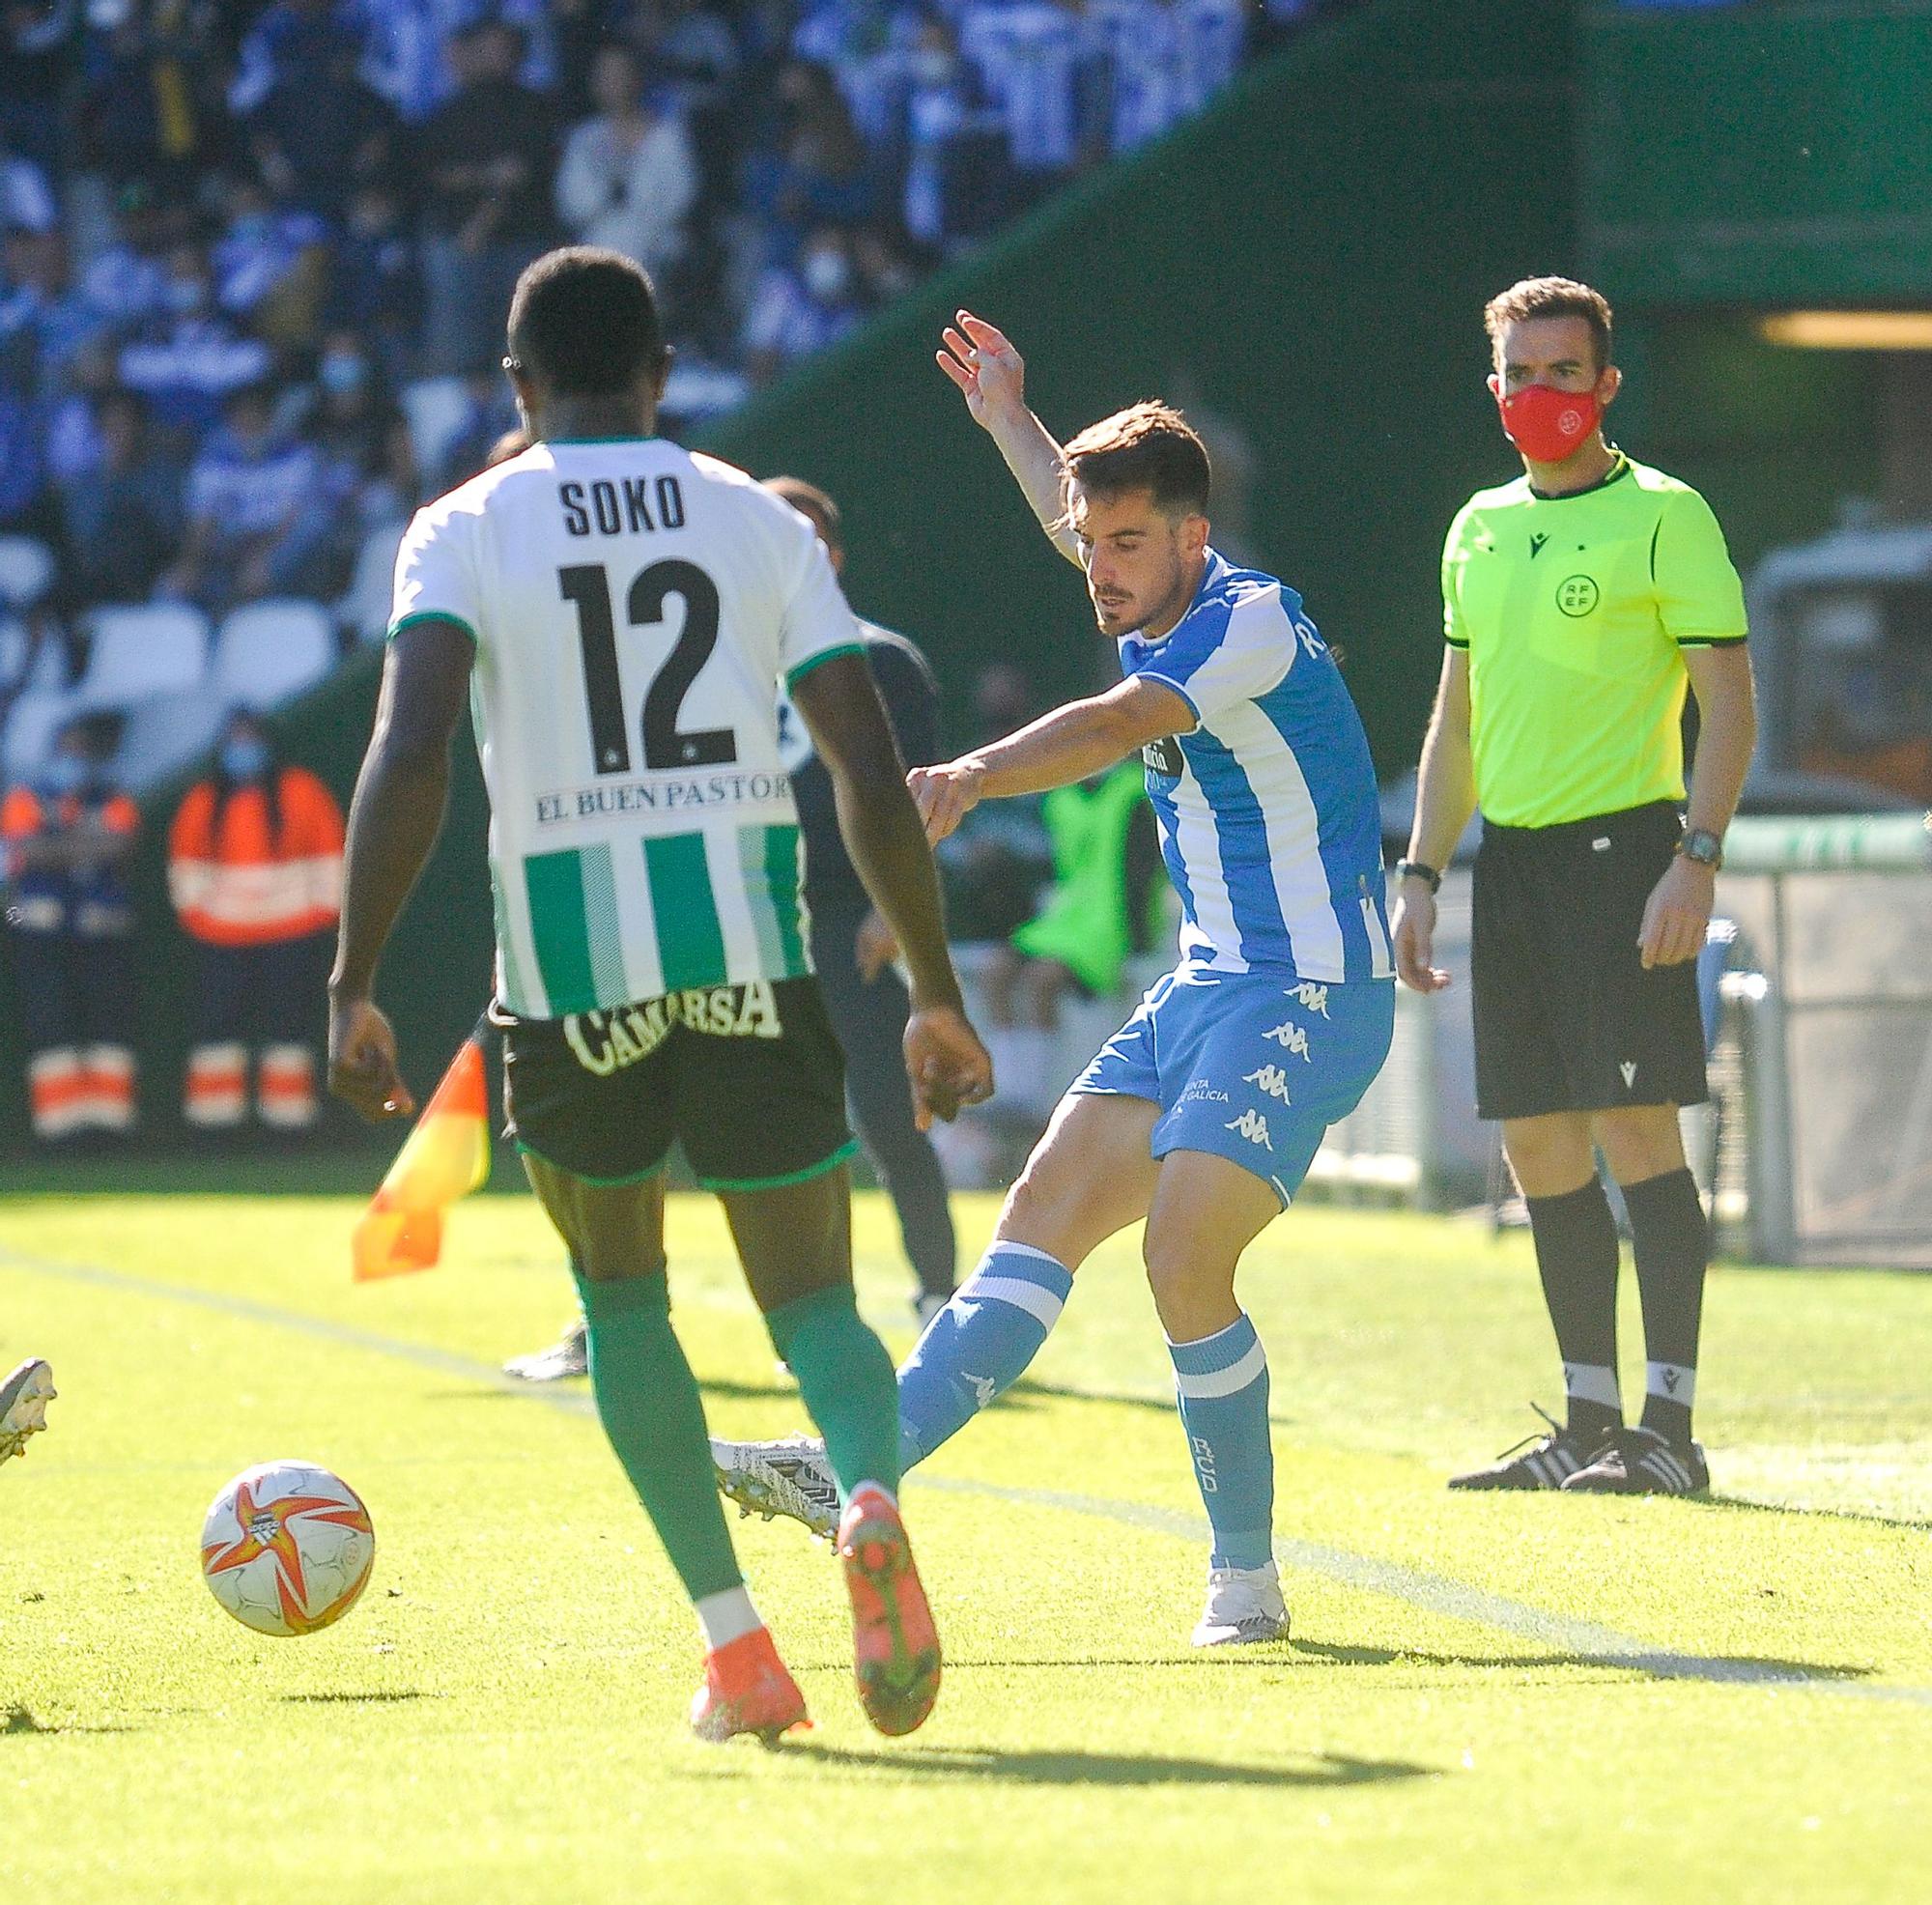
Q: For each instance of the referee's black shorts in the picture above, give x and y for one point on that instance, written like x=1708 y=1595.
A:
x=1567 y=1017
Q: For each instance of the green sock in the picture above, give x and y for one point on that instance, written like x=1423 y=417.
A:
x=846 y=1381
x=647 y=1400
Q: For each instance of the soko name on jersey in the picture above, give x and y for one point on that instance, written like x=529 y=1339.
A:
x=617 y=506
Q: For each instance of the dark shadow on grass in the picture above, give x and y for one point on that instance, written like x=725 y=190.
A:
x=18 y=1719
x=1073 y=1767
x=1742 y=1505
x=393 y=1697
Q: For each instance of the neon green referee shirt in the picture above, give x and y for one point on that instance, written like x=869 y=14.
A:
x=1573 y=610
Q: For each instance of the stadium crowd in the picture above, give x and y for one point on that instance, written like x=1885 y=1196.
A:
x=254 y=260
x=256 y=256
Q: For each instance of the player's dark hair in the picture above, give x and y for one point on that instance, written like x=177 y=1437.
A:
x=1551 y=298
x=584 y=321
x=809 y=499
x=1146 y=446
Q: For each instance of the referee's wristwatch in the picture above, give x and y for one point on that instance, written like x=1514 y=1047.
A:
x=1702 y=847
x=1414 y=870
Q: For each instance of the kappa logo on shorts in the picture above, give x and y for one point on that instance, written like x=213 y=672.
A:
x=1273 y=1080
x=1310 y=997
x=1253 y=1127
x=984 y=1388
x=606 y=1041
x=1291 y=1038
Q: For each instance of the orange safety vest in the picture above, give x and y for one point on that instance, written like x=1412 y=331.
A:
x=244 y=889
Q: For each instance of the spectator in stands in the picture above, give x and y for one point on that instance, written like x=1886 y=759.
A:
x=150 y=112
x=1169 y=59
x=255 y=873
x=377 y=289
x=44 y=321
x=1042 y=65
x=258 y=517
x=799 y=309
x=126 y=281
x=485 y=157
x=809 y=169
x=192 y=361
x=270 y=266
x=291 y=37
x=64 y=837
x=33 y=42
x=938 y=112
x=628 y=178
x=693 y=47
x=320 y=136
x=123 y=510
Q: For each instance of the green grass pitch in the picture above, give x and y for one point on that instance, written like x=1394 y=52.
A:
x=1489 y=1699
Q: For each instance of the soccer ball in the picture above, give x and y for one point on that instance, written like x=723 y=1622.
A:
x=287 y=1548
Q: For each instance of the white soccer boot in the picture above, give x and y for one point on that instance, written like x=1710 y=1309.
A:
x=568 y=1355
x=1244 y=1604
x=789 y=1477
x=24 y=1397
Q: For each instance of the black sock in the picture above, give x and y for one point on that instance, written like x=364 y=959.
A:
x=1673 y=1250
x=1576 y=1255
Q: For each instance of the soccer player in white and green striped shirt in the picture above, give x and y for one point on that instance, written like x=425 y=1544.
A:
x=618 y=614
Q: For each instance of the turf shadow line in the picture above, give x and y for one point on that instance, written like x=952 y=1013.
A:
x=1436 y=1594
x=1587 y=1641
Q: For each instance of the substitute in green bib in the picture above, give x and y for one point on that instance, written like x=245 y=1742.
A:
x=1581 y=602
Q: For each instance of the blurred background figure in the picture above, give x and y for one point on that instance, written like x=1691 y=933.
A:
x=64 y=837
x=255 y=875
x=1102 y=907
x=996 y=861
x=628 y=177
x=258 y=516
x=485 y=156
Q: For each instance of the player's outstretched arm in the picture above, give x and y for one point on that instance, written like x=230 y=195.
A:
x=945 y=1060
x=394 y=823
x=1070 y=744
x=991 y=376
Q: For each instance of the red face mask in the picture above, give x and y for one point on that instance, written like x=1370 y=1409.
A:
x=1549 y=425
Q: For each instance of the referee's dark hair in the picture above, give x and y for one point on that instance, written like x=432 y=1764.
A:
x=1551 y=298
x=584 y=321
x=1145 y=446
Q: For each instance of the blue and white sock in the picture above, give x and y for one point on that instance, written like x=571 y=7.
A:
x=980 y=1345
x=1222 y=1381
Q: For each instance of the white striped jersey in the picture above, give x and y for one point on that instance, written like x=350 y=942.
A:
x=634 y=608
x=1269 y=818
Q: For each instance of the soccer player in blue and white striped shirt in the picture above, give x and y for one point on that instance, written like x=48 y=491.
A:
x=1203 y=1112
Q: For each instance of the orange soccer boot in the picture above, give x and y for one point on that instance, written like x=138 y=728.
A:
x=895 y=1645
x=747 y=1690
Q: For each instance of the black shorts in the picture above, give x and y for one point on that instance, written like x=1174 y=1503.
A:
x=1567 y=1017
x=749 y=1078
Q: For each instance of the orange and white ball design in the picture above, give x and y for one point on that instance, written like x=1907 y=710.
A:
x=287 y=1548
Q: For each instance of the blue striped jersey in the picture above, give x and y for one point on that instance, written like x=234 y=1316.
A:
x=1269 y=818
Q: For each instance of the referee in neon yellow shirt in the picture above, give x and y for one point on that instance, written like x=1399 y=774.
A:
x=1579 y=603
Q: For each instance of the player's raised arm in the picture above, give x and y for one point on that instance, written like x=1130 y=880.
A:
x=840 y=702
x=394 y=823
x=991 y=376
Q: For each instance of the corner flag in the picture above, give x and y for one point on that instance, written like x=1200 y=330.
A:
x=445 y=1157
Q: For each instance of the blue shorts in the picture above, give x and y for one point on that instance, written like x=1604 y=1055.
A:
x=1247 y=1067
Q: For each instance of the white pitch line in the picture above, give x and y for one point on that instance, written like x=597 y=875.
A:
x=1436 y=1594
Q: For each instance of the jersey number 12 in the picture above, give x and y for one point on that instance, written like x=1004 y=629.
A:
x=587 y=586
